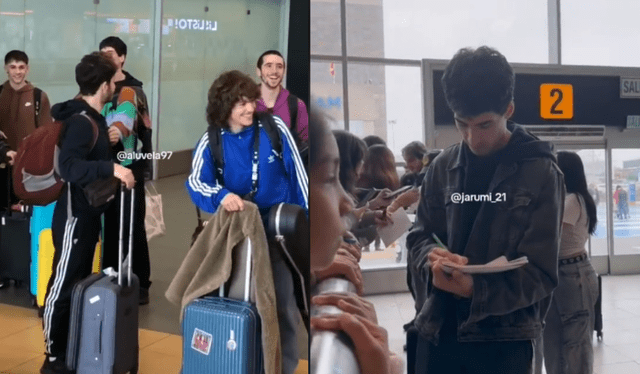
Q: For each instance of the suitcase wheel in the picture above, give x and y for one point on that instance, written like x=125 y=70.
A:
x=599 y=335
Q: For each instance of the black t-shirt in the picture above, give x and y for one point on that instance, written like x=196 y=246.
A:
x=478 y=173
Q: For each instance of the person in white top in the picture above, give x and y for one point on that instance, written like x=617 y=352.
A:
x=570 y=321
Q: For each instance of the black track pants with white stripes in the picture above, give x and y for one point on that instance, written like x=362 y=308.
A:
x=75 y=243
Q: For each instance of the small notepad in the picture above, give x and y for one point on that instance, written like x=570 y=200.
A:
x=390 y=233
x=498 y=265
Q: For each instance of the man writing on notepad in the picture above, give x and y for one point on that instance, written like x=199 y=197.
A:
x=497 y=193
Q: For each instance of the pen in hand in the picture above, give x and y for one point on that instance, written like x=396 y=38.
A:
x=438 y=241
x=446 y=270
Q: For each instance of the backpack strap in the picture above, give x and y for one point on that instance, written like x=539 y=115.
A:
x=215 y=144
x=292 y=100
x=271 y=127
x=37 y=97
x=96 y=130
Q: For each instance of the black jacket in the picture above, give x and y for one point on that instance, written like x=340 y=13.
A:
x=79 y=163
x=524 y=219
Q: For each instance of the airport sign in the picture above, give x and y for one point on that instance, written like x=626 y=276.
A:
x=629 y=88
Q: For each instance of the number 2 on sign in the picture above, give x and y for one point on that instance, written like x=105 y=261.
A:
x=556 y=101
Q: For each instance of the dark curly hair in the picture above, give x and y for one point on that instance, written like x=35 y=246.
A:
x=478 y=81
x=229 y=88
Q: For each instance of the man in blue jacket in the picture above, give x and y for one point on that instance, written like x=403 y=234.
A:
x=497 y=193
x=267 y=175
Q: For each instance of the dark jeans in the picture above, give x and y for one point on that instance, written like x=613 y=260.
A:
x=452 y=357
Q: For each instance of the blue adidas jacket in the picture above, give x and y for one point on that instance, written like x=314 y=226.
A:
x=279 y=180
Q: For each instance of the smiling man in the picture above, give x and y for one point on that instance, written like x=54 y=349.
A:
x=277 y=100
x=23 y=107
x=486 y=323
x=237 y=143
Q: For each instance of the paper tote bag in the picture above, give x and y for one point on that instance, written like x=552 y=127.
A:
x=154 y=218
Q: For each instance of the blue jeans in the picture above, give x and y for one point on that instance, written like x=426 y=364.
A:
x=568 y=333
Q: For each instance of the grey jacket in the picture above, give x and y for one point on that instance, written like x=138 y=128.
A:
x=505 y=306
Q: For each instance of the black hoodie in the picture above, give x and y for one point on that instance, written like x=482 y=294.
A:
x=128 y=81
x=479 y=171
x=79 y=163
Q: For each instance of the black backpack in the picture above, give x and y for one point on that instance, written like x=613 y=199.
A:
x=215 y=142
x=37 y=98
x=303 y=148
x=292 y=102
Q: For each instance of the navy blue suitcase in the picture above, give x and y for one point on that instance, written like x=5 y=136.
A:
x=103 y=326
x=222 y=335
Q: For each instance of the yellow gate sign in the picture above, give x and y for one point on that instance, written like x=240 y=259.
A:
x=556 y=101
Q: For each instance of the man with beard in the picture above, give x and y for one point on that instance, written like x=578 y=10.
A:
x=277 y=100
x=127 y=116
x=83 y=159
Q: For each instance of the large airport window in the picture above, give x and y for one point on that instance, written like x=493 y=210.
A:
x=198 y=45
x=386 y=101
x=626 y=217
x=365 y=28
x=326 y=90
x=600 y=33
x=436 y=29
x=325 y=27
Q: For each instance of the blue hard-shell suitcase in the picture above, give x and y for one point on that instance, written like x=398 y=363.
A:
x=222 y=335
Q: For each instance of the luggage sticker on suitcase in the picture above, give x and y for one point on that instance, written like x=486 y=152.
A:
x=201 y=341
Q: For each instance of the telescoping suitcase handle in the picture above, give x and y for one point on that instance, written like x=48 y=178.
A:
x=247 y=279
x=120 y=249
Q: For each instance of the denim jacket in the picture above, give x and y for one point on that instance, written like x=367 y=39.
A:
x=504 y=306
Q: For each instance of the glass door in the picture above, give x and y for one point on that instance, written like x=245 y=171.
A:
x=613 y=181
x=625 y=210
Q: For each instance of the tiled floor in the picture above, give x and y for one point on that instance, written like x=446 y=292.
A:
x=618 y=353
x=22 y=346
